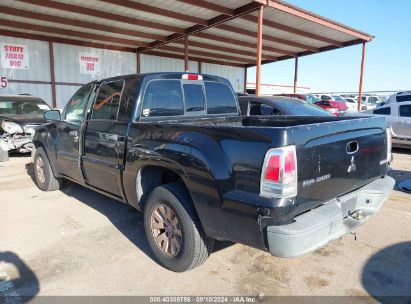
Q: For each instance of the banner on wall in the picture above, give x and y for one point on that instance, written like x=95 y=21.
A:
x=14 y=56
x=89 y=64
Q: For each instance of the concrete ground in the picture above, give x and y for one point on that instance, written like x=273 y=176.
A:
x=78 y=242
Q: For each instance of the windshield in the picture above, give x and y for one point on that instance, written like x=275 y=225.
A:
x=325 y=98
x=312 y=98
x=23 y=107
x=299 y=108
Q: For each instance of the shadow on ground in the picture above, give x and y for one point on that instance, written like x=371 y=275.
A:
x=387 y=274
x=124 y=217
x=20 y=289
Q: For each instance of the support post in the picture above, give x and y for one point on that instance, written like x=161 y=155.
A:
x=245 y=79
x=138 y=63
x=361 y=77
x=295 y=74
x=259 y=50
x=52 y=76
x=199 y=67
x=186 y=53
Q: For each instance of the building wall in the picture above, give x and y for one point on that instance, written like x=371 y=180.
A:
x=39 y=70
x=234 y=74
x=151 y=63
x=67 y=67
x=113 y=63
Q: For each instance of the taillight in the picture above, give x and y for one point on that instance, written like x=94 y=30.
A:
x=192 y=77
x=389 y=143
x=272 y=172
x=279 y=173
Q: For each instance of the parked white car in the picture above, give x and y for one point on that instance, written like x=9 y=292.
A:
x=370 y=101
x=398 y=116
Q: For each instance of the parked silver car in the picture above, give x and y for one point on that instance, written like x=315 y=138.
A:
x=398 y=115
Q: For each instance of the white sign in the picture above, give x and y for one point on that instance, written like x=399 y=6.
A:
x=89 y=64
x=14 y=56
x=3 y=82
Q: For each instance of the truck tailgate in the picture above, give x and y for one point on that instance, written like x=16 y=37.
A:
x=334 y=164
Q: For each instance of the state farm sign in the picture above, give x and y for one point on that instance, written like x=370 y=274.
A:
x=89 y=64
x=14 y=56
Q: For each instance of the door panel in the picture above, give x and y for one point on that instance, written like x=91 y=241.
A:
x=103 y=154
x=104 y=136
x=404 y=121
x=68 y=151
x=69 y=131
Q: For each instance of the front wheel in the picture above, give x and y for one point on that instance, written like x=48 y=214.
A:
x=173 y=230
x=45 y=178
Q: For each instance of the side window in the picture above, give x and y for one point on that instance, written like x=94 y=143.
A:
x=383 y=111
x=220 y=99
x=163 y=98
x=75 y=108
x=402 y=98
x=107 y=101
x=405 y=111
x=194 y=97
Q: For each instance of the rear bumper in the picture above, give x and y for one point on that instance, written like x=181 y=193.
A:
x=320 y=226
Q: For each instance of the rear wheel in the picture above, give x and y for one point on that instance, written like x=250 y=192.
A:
x=44 y=174
x=173 y=230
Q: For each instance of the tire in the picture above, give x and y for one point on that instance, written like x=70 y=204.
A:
x=195 y=246
x=45 y=178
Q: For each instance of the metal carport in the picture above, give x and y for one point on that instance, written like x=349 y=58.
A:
x=239 y=33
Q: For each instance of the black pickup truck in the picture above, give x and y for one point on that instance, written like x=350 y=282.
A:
x=174 y=146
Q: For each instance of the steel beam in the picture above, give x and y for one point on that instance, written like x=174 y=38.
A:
x=259 y=50
x=52 y=76
x=295 y=74
x=361 y=76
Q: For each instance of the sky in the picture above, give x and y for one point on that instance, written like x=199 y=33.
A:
x=387 y=59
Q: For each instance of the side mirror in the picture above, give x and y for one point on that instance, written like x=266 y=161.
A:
x=52 y=115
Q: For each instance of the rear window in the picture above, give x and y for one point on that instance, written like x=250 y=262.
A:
x=263 y=109
x=383 y=111
x=220 y=99
x=163 y=98
x=194 y=97
x=301 y=109
x=403 y=98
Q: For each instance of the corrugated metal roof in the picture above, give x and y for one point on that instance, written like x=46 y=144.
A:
x=219 y=30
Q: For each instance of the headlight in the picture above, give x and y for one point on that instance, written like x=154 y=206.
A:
x=11 y=127
x=29 y=130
